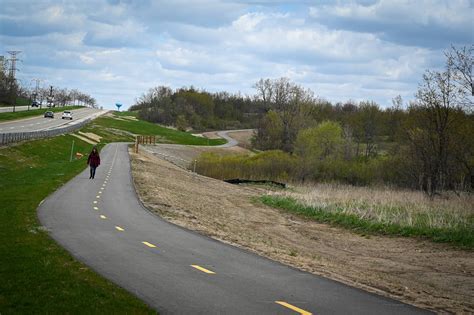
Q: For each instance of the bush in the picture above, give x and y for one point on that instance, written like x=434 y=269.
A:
x=269 y=165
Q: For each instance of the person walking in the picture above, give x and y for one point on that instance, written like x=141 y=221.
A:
x=94 y=161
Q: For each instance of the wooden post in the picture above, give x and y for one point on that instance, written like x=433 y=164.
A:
x=72 y=150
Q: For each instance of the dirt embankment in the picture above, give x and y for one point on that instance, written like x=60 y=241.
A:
x=429 y=275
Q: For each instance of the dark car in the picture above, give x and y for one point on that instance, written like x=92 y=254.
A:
x=34 y=104
x=49 y=115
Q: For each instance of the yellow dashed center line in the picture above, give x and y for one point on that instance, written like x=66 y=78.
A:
x=203 y=269
x=100 y=192
x=102 y=188
x=97 y=196
x=95 y=208
x=294 y=308
x=95 y=201
x=103 y=216
x=149 y=244
x=119 y=228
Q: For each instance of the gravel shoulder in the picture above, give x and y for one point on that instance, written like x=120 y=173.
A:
x=422 y=273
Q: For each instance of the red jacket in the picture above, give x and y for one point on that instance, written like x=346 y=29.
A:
x=93 y=159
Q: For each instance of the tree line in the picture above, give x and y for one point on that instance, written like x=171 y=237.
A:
x=13 y=89
x=427 y=144
x=189 y=108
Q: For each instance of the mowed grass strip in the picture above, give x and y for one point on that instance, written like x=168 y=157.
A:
x=103 y=125
x=34 y=112
x=37 y=275
x=462 y=236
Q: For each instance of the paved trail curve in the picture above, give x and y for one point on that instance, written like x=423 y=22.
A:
x=176 y=271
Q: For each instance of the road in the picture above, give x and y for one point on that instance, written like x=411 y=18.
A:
x=176 y=271
x=40 y=123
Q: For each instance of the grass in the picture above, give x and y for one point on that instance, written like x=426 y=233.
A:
x=33 y=112
x=117 y=128
x=384 y=211
x=126 y=113
x=38 y=276
x=20 y=101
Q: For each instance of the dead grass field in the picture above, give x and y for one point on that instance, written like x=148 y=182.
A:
x=184 y=156
x=426 y=274
x=389 y=205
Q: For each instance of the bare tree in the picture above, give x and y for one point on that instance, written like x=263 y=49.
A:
x=291 y=102
x=436 y=119
x=460 y=62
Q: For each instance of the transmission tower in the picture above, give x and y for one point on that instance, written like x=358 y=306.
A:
x=36 y=93
x=13 y=59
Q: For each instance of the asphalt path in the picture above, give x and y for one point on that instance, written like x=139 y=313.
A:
x=38 y=123
x=176 y=271
x=231 y=142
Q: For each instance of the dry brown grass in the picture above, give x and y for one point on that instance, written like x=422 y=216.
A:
x=389 y=205
x=90 y=135
x=430 y=275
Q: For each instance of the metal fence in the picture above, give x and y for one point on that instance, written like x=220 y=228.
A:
x=6 y=138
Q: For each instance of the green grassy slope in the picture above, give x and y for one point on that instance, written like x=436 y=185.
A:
x=110 y=128
x=37 y=275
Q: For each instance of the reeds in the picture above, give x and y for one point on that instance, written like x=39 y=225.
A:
x=389 y=205
x=447 y=218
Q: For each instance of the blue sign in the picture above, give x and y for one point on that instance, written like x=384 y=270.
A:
x=118 y=106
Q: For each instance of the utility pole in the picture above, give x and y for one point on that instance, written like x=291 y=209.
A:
x=51 y=97
x=13 y=59
x=36 y=89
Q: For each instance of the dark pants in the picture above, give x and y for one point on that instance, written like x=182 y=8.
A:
x=93 y=171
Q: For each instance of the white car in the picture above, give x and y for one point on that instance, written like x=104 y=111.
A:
x=67 y=115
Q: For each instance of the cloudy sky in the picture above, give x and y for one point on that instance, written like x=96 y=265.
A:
x=115 y=50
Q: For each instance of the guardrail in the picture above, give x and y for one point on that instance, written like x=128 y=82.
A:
x=7 y=138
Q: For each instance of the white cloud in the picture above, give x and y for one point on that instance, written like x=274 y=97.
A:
x=342 y=51
x=430 y=23
x=455 y=13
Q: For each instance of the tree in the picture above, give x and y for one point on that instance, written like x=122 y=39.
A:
x=181 y=123
x=365 y=124
x=317 y=145
x=460 y=62
x=290 y=102
x=269 y=132
x=435 y=123
x=392 y=119
x=321 y=142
